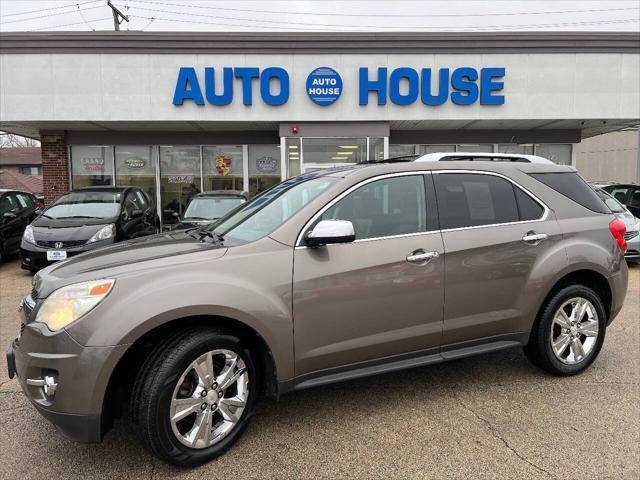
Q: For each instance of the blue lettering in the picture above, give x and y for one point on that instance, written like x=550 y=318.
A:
x=379 y=85
x=443 y=87
x=187 y=78
x=247 y=74
x=488 y=85
x=394 y=86
x=265 y=84
x=210 y=90
x=463 y=80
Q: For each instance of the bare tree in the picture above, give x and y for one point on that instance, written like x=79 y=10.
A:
x=12 y=140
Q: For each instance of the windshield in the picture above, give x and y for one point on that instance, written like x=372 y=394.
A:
x=265 y=213
x=85 y=205
x=611 y=202
x=210 y=208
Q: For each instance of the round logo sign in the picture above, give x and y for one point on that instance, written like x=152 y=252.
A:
x=324 y=86
x=266 y=164
x=134 y=162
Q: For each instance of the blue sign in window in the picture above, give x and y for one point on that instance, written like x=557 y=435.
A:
x=324 y=86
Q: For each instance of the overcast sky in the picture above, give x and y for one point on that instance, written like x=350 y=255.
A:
x=322 y=15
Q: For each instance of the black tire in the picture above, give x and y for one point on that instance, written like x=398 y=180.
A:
x=539 y=350
x=154 y=387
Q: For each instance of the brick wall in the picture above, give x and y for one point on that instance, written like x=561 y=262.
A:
x=55 y=166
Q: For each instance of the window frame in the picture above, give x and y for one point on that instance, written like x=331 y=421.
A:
x=514 y=184
x=431 y=211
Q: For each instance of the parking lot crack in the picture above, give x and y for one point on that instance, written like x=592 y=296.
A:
x=152 y=475
x=496 y=433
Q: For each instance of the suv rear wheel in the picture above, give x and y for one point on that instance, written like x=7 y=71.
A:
x=193 y=396
x=569 y=332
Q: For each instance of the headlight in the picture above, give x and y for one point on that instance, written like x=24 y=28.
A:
x=27 y=236
x=105 y=232
x=69 y=303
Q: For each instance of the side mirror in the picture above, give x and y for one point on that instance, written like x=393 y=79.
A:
x=175 y=214
x=8 y=216
x=328 y=232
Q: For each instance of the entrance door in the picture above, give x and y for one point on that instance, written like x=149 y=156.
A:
x=320 y=153
x=180 y=179
x=380 y=295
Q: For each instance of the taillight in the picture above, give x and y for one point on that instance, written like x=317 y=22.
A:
x=618 y=229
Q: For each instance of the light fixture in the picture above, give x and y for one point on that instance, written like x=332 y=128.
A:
x=293 y=146
x=346 y=153
x=348 y=146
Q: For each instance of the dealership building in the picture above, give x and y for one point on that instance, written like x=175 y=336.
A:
x=178 y=112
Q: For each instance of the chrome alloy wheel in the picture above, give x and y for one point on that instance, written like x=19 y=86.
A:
x=574 y=330
x=209 y=398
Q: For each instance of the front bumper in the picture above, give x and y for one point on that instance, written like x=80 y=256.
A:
x=81 y=374
x=34 y=257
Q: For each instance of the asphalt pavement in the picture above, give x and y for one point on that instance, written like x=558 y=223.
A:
x=491 y=416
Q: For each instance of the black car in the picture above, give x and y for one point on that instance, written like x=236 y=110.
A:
x=85 y=219
x=17 y=210
x=627 y=194
x=207 y=207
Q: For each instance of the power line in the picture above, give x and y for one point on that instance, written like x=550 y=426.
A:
x=48 y=9
x=389 y=15
x=466 y=29
x=69 y=24
x=84 y=19
x=50 y=15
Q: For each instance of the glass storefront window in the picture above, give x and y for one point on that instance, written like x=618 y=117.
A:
x=376 y=149
x=264 y=167
x=476 y=147
x=525 y=149
x=222 y=167
x=424 y=149
x=324 y=152
x=91 y=165
x=401 y=150
x=136 y=165
x=293 y=153
x=556 y=152
x=179 y=180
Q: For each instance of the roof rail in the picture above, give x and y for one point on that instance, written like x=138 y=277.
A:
x=402 y=158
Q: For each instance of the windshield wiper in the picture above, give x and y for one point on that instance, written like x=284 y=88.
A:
x=186 y=219
x=202 y=233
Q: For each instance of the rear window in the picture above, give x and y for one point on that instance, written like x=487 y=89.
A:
x=572 y=186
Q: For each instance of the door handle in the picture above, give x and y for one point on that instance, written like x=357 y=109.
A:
x=420 y=257
x=534 y=238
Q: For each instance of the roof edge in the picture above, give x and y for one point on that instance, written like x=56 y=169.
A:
x=318 y=42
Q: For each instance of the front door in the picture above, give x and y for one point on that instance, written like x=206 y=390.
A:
x=377 y=296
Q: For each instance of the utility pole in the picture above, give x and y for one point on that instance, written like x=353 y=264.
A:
x=118 y=16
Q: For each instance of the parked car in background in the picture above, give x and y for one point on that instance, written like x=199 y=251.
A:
x=207 y=207
x=329 y=276
x=627 y=194
x=632 y=236
x=17 y=210
x=480 y=157
x=85 y=219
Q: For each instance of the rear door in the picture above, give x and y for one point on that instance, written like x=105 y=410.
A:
x=493 y=233
x=371 y=298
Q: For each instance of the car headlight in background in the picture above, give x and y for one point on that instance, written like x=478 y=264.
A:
x=27 y=236
x=108 y=231
x=69 y=303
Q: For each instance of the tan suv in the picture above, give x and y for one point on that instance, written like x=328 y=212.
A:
x=327 y=277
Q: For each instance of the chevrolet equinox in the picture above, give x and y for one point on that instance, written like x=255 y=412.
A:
x=327 y=277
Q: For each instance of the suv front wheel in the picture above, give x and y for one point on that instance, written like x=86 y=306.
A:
x=569 y=331
x=193 y=396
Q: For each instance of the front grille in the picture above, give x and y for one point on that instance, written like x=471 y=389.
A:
x=629 y=235
x=34 y=293
x=67 y=244
x=22 y=325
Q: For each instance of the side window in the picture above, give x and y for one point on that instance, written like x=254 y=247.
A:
x=24 y=200
x=141 y=200
x=390 y=206
x=470 y=200
x=8 y=203
x=619 y=193
x=130 y=204
x=634 y=200
x=529 y=209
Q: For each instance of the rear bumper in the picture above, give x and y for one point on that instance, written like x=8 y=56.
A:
x=618 y=284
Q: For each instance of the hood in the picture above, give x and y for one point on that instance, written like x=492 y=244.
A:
x=122 y=258
x=53 y=223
